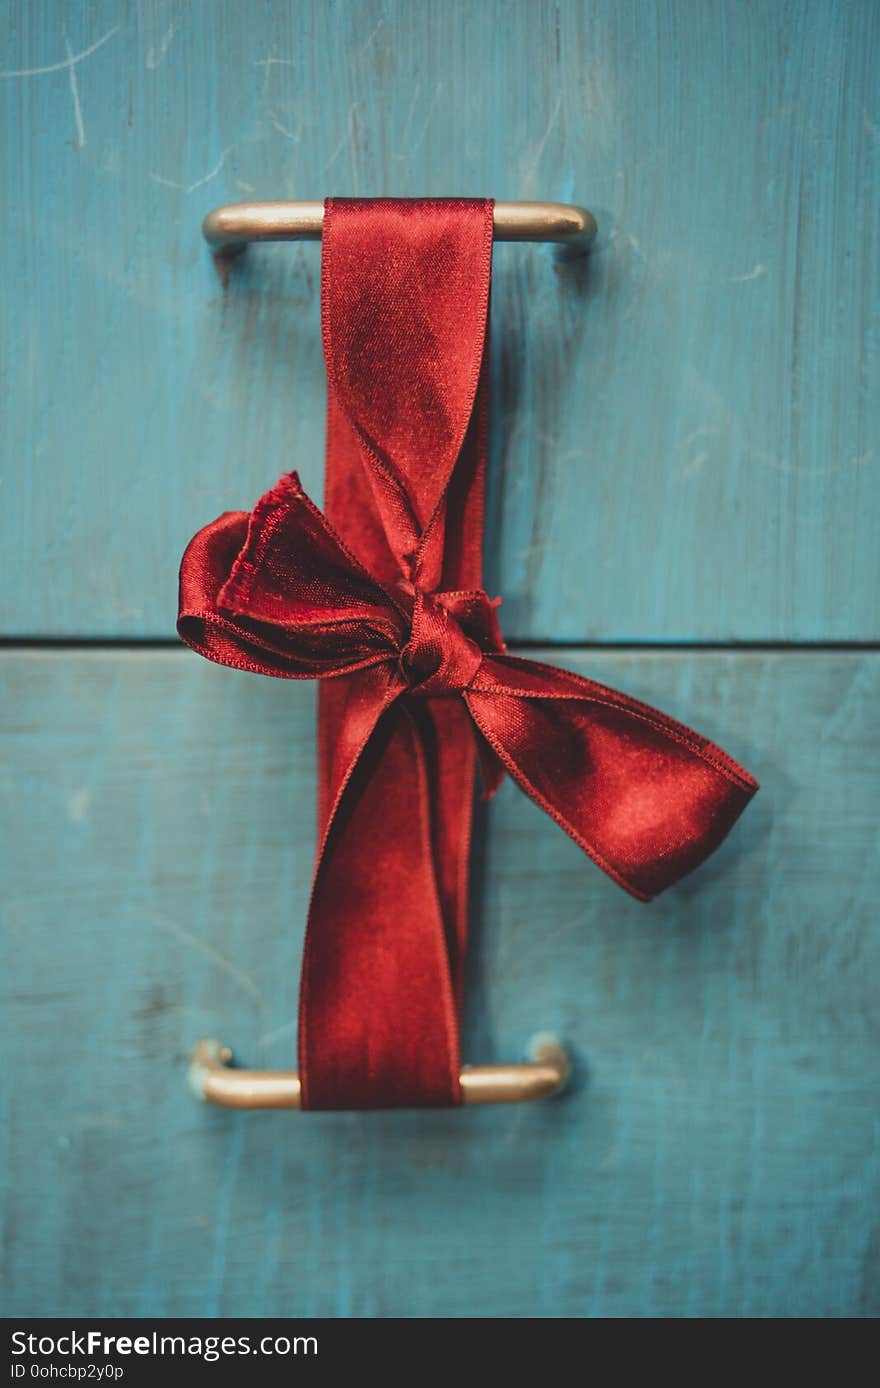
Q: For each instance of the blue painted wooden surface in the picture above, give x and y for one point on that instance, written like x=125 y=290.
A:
x=685 y=437
x=684 y=448
x=717 y=1156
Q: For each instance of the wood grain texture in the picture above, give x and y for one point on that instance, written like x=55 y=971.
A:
x=718 y=1153
x=685 y=434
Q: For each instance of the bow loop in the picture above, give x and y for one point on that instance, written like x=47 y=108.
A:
x=295 y=571
x=290 y=592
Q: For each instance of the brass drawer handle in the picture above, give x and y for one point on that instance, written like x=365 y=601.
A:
x=213 y=1079
x=229 y=229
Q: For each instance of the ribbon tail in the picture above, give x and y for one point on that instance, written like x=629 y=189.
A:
x=449 y=747
x=645 y=797
x=378 y=1018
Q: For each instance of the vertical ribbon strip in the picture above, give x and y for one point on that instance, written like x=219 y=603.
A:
x=405 y=298
x=381 y=599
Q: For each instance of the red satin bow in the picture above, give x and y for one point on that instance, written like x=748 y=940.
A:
x=419 y=675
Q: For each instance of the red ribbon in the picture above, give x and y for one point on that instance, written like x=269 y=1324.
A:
x=382 y=599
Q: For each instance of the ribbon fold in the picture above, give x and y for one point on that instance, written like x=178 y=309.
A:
x=387 y=607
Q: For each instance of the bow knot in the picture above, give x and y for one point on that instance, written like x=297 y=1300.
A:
x=450 y=634
x=278 y=591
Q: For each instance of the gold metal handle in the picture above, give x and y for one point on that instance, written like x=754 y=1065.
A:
x=213 y=1079
x=229 y=229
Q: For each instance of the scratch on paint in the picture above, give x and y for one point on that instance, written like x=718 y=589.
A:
x=69 y=65
x=409 y=115
x=71 y=60
x=412 y=106
x=74 y=92
x=419 y=140
x=690 y=466
x=267 y=64
x=155 y=55
x=200 y=182
x=372 y=34
x=78 y=805
x=532 y=167
x=282 y=129
x=277 y=1034
x=789 y=468
x=347 y=136
x=755 y=274
x=244 y=980
x=632 y=241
